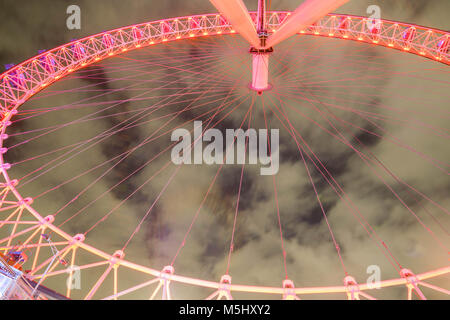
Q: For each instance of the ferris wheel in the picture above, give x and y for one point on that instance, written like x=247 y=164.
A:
x=85 y=160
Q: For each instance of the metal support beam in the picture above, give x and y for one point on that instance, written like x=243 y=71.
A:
x=237 y=14
x=306 y=14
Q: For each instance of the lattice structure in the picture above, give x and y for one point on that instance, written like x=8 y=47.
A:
x=23 y=81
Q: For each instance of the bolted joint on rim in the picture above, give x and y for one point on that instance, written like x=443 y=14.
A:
x=289 y=290
x=78 y=238
x=25 y=202
x=48 y=220
x=350 y=281
x=225 y=287
x=167 y=272
x=13 y=183
x=226 y=279
x=352 y=288
x=119 y=254
x=412 y=283
x=225 y=283
x=406 y=273
x=5 y=166
x=410 y=277
x=116 y=257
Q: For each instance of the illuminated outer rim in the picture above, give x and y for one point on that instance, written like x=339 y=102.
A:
x=21 y=82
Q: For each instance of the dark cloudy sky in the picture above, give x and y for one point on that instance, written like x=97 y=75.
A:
x=395 y=85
